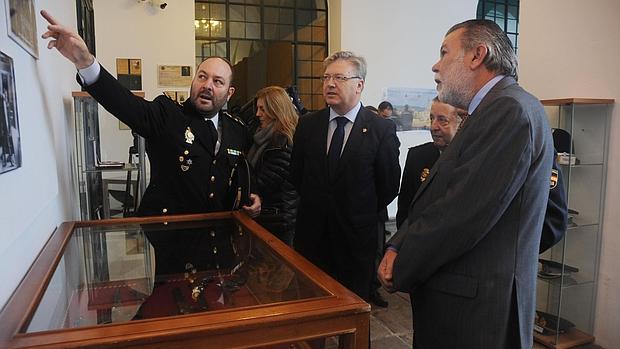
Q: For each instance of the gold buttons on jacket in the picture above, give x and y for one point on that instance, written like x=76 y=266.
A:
x=212 y=178
x=165 y=210
x=211 y=196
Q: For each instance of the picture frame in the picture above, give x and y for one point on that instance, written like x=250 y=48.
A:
x=10 y=143
x=22 y=24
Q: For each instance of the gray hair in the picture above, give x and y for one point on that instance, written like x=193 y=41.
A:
x=501 y=57
x=358 y=61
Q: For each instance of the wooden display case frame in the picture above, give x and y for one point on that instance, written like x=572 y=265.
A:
x=341 y=313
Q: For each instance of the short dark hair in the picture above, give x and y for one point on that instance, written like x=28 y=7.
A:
x=385 y=105
x=501 y=57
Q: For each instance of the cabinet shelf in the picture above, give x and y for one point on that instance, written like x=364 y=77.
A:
x=572 y=296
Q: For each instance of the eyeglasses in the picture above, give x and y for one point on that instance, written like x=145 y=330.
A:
x=338 y=78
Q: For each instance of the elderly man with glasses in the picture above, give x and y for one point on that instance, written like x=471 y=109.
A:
x=345 y=167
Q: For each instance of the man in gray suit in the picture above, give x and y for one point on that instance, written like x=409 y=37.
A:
x=467 y=253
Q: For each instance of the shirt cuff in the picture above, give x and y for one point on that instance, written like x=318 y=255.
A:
x=90 y=74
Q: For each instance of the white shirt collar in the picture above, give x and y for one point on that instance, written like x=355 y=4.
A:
x=215 y=119
x=351 y=114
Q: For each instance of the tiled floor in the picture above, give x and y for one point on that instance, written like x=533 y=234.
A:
x=390 y=328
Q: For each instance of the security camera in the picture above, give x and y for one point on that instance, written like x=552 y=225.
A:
x=163 y=5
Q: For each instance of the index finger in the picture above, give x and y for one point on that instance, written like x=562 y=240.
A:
x=48 y=17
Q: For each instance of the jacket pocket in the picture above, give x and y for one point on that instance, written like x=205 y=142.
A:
x=456 y=284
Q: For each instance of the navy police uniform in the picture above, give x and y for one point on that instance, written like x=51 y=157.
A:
x=186 y=175
x=420 y=160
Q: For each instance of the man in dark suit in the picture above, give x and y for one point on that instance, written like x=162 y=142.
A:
x=345 y=167
x=467 y=252
x=195 y=150
x=420 y=159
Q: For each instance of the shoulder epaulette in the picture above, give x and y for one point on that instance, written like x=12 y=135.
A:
x=234 y=118
x=173 y=100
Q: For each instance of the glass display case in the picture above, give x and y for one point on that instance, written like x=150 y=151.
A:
x=568 y=272
x=214 y=280
x=96 y=193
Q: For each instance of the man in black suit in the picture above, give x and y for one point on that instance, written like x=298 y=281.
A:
x=468 y=251
x=195 y=150
x=420 y=159
x=345 y=167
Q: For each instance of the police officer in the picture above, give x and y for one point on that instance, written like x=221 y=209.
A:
x=195 y=149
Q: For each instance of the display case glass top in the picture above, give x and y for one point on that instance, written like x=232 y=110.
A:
x=166 y=278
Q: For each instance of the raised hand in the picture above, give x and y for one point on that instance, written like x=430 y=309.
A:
x=67 y=42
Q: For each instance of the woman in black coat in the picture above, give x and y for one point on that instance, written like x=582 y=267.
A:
x=270 y=156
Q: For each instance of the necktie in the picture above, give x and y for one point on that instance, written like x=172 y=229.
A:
x=335 y=147
x=214 y=135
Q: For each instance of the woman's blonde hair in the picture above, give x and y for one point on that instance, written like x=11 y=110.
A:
x=280 y=109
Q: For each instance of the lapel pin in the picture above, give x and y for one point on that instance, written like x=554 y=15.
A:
x=364 y=130
x=184 y=168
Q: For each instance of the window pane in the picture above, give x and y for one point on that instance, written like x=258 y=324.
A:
x=499 y=10
x=286 y=16
x=236 y=13
x=320 y=19
x=304 y=17
x=304 y=52
x=320 y=4
x=318 y=53
x=237 y=30
x=317 y=69
x=512 y=26
x=252 y=30
x=317 y=86
x=318 y=34
x=286 y=32
x=513 y=12
x=305 y=4
x=271 y=31
x=272 y=15
x=304 y=34
x=252 y=14
x=218 y=12
x=304 y=86
x=304 y=68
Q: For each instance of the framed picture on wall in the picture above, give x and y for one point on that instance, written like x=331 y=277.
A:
x=10 y=145
x=22 y=24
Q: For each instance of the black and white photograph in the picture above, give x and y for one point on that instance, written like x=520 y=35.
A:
x=10 y=147
x=22 y=24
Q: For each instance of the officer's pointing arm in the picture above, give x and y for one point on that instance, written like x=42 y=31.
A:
x=67 y=42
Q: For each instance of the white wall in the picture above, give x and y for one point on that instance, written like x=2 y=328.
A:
x=36 y=197
x=129 y=29
x=400 y=39
x=571 y=50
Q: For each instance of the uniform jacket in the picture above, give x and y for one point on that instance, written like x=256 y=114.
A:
x=337 y=218
x=279 y=197
x=468 y=255
x=420 y=159
x=186 y=177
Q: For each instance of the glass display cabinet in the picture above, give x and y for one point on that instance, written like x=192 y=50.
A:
x=95 y=189
x=215 y=280
x=568 y=272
